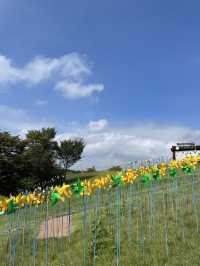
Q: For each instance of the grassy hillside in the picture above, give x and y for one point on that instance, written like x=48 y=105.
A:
x=154 y=224
x=72 y=176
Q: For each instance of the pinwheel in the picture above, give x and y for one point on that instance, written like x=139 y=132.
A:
x=187 y=169
x=146 y=173
x=11 y=206
x=156 y=174
x=4 y=205
x=130 y=176
x=172 y=172
x=64 y=191
x=117 y=180
x=55 y=197
x=146 y=178
x=21 y=200
x=78 y=188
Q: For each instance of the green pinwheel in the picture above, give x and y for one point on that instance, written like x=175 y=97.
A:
x=187 y=169
x=77 y=188
x=11 y=206
x=146 y=178
x=117 y=180
x=55 y=197
x=172 y=172
x=156 y=174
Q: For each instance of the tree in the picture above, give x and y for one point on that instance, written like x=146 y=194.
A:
x=11 y=163
x=69 y=152
x=116 y=168
x=40 y=155
x=91 y=169
x=36 y=160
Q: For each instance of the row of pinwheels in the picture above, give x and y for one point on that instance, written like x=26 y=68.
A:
x=88 y=187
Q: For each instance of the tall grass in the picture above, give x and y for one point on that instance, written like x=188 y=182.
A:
x=138 y=224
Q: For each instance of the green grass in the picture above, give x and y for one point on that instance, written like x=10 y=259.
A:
x=72 y=176
x=159 y=225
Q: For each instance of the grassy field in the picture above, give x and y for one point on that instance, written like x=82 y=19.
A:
x=154 y=224
x=72 y=176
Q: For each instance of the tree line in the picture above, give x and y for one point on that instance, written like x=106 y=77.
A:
x=36 y=160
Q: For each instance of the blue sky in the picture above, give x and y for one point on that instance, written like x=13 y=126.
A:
x=100 y=69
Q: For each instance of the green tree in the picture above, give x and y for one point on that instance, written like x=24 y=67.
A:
x=36 y=160
x=116 y=168
x=69 y=152
x=12 y=169
x=91 y=169
x=40 y=155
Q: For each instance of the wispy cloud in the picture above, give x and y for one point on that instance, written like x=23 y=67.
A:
x=98 y=125
x=120 y=146
x=41 y=103
x=19 y=121
x=106 y=145
x=74 y=90
x=68 y=74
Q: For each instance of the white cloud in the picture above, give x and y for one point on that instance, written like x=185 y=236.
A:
x=41 y=103
x=120 y=146
x=107 y=145
x=67 y=73
x=8 y=73
x=74 y=90
x=97 y=125
x=19 y=121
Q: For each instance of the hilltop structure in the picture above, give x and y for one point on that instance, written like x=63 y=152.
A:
x=181 y=150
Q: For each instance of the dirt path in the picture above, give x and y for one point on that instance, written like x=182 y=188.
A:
x=56 y=227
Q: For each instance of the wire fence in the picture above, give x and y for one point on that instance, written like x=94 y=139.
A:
x=136 y=224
